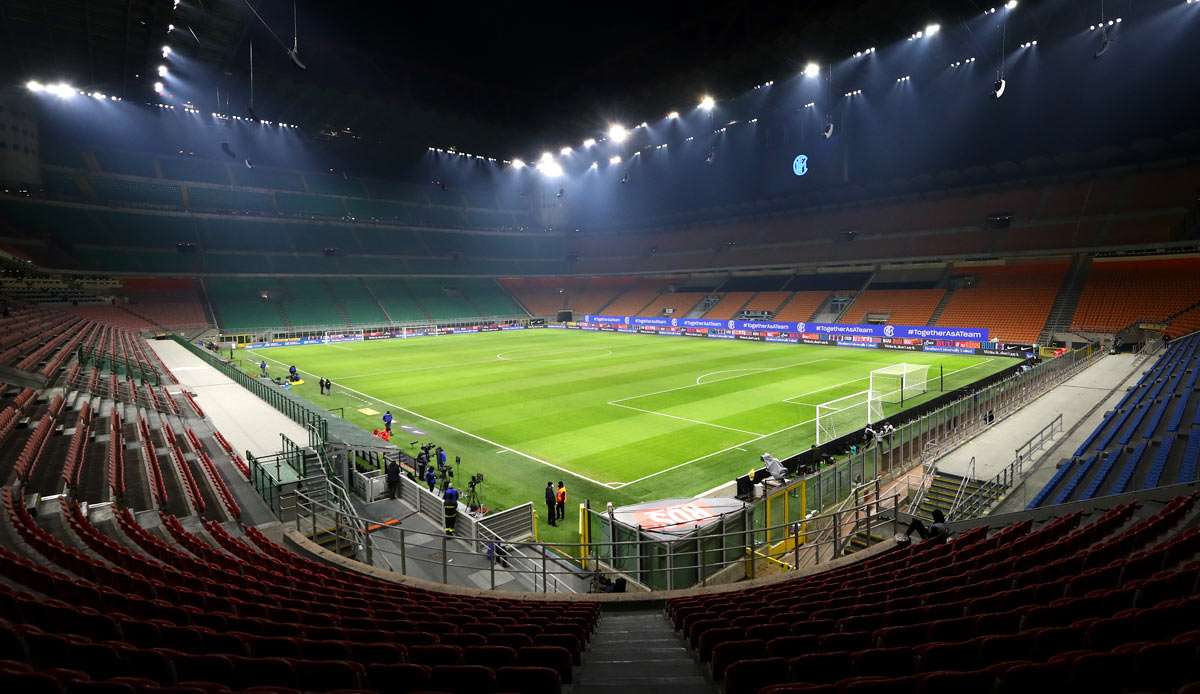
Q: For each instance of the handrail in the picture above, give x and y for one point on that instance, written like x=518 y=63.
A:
x=962 y=487
x=542 y=572
x=1014 y=471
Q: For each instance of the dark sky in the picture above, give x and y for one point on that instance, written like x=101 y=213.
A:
x=540 y=71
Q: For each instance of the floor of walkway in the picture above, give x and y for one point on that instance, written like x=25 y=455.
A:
x=995 y=448
x=248 y=423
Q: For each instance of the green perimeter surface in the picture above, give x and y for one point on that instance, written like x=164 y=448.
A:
x=619 y=417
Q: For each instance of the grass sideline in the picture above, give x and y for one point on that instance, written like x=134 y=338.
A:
x=621 y=418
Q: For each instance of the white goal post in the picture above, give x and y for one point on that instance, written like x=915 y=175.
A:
x=899 y=383
x=847 y=414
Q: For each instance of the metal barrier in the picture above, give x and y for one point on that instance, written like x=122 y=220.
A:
x=545 y=567
x=989 y=491
x=293 y=408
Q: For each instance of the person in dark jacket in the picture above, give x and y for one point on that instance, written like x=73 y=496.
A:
x=937 y=531
x=393 y=478
x=551 y=513
x=430 y=478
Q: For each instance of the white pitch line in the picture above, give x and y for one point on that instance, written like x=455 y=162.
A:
x=868 y=377
x=461 y=431
x=700 y=378
x=720 y=380
x=685 y=419
x=761 y=436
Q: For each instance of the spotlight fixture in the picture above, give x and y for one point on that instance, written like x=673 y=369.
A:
x=614 y=159
x=673 y=115
x=811 y=104
x=158 y=87
x=162 y=70
x=566 y=151
x=854 y=92
x=550 y=168
x=643 y=124
x=590 y=142
x=1011 y=5
x=595 y=165
x=518 y=164
x=906 y=78
x=1029 y=44
x=166 y=51
x=812 y=70
x=707 y=103
x=546 y=156
x=617 y=133
x=869 y=51
x=932 y=29
x=34 y=86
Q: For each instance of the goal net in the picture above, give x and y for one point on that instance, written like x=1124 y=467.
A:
x=846 y=415
x=899 y=383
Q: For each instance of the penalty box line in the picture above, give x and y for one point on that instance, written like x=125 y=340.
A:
x=500 y=446
x=792 y=400
x=760 y=437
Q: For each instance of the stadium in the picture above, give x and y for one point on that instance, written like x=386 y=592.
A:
x=826 y=347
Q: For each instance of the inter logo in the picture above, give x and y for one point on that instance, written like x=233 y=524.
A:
x=800 y=164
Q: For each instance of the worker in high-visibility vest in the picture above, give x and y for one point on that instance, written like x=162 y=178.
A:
x=560 y=501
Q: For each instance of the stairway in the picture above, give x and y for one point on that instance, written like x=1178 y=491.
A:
x=1063 y=309
x=638 y=652
x=943 y=488
x=937 y=312
x=337 y=302
x=375 y=298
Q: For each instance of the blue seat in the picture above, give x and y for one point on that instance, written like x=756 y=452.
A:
x=1131 y=466
x=1159 y=464
x=1075 y=479
x=1191 y=455
x=1101 y=475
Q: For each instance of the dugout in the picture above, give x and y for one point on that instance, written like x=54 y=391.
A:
x=670 y=543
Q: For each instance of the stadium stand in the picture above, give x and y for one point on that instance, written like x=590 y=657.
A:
x=678 y=304
x=899 y=306
x=636 y=297
x=799 y=306
x=1151 y=438
x=1025 y=290
x=1084 y=600
x=1121 y=291
x=730 y=305
x=542 y=296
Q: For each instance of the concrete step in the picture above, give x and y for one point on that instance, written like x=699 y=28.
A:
x=639 y=653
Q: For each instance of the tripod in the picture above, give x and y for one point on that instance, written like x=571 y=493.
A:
x=473 y=497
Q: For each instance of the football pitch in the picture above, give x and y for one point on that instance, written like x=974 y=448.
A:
x=618 y=417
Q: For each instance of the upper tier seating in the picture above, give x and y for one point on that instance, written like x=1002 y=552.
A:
x=1012 y=301
x=901 y=306
x=1099 y=601
x=1119 y=292
x=1151 y=438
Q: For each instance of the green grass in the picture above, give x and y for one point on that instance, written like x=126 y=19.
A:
x=621 y=418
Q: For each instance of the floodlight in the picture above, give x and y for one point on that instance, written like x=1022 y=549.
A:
x=999 y=87
x=615 y=159
x=617 y=133
x=932 y=29
x=590 y=142
x=812 y=70
x=595 y=165
x=546 y=156
x=1011 y=4
x=162 y=70
x=518 y=164
x=565 y=151
x=643 y=124
x=166 y=51
x=673 y=115
x=34 y=86
x=707 y=103
x=170 y=28
x=61 y=89
x=550 y=168
x=158 y=87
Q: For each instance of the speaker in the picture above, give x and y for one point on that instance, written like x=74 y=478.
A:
x=566 y=315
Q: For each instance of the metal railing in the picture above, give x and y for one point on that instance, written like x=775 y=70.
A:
x=544 y=566
x=962 y=488
x=293 y=408
x=990 y=491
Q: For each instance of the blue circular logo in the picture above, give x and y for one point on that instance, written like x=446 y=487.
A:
x=800 y=164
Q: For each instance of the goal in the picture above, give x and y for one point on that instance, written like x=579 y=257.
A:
x=846 y=415
x=899 y=383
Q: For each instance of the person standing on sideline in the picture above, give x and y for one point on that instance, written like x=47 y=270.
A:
x=430 y=478
x=393 y=478
x=441 y=458
x=387 y=421
x=262 y=367
x=560 y=502
x=551 y=515
x=328 y=387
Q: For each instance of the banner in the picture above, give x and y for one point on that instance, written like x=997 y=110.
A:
x=923 y=332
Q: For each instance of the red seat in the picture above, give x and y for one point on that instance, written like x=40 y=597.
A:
x=955 y=682
x=398 y=677
x=528 y=680
x=322 y=675
x=749 y=675
x=462 y=679
x=435 y=654
x=553 y=657
x=489 y=656
x=885 y=662
x=821 y=668
x=791 y=646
